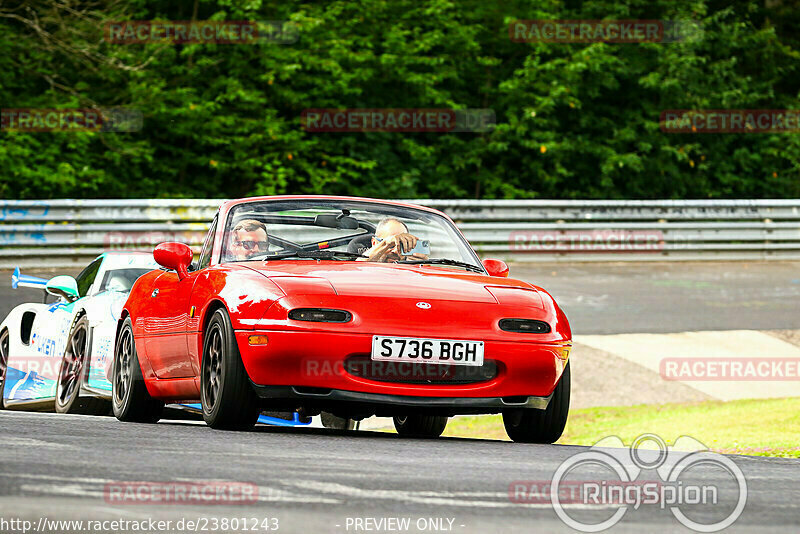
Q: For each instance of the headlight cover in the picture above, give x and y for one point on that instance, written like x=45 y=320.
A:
x=320 y=315
x=524 y=326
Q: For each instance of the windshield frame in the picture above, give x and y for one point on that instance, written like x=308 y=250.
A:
x=228 y=212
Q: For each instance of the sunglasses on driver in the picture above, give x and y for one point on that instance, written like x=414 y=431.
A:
x=250 y=245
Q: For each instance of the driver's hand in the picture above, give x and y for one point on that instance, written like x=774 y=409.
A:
x=402 y=242
x=389 y=249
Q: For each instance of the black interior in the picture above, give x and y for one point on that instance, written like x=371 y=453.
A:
x=360 y=244
x=319 y=220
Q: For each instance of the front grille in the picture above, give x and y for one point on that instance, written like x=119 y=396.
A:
x=419 y=373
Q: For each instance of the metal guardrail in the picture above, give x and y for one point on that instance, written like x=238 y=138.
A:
x=68 y=233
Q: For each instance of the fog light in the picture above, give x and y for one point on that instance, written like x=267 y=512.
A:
x=320 y=315
x=258 y=340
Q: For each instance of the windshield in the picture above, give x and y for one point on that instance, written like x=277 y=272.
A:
x=343 y=230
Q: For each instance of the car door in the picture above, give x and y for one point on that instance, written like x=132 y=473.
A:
x=166 y=343
x=165 y=326
x=199 y=298
x=104 y=305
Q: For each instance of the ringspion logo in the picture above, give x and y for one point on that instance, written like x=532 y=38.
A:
x=585 y=491
x=685 y=482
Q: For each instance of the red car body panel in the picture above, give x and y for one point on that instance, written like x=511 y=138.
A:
x=164 y=327
x=169 y=317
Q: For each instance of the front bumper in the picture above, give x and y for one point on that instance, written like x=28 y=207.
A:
x=389 y=404
x=310 y=365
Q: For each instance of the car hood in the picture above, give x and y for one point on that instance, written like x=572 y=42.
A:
x=396 y=299
x=361 y=279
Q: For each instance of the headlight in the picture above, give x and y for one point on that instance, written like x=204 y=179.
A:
x=320 y=315
x=524 y=326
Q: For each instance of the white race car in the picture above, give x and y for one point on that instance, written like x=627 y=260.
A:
x=59 y=355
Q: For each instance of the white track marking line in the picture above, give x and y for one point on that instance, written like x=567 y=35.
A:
x=426 y=497
x=95 y=488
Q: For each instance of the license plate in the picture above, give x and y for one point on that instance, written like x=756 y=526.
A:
x=412 y=349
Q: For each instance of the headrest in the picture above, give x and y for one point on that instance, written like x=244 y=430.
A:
x=360 y=244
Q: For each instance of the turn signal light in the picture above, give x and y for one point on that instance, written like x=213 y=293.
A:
x=258 y=340
x=320 y=315
x=524 y=326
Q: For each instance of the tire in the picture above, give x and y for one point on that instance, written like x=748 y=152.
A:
x=129 y=397
x=4 y=348
x=72 y=373
x=541 y=426
x=228 y=399
x=337 y=423
x=421 y=426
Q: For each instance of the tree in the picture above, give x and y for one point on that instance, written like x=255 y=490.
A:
x=574 y=120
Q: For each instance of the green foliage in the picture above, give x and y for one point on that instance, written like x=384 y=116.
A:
x=574 y=120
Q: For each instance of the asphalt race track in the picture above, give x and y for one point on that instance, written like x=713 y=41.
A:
x=313 y=480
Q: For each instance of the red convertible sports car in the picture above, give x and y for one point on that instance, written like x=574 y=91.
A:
x=348 y=306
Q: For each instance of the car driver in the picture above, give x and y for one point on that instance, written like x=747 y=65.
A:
x=390 y=239
x=248 y=239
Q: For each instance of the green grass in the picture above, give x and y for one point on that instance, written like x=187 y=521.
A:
x=761 y=427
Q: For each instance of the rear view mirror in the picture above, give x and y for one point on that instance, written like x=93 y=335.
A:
x=63 y=286
x=341 y=222
x=175 y=257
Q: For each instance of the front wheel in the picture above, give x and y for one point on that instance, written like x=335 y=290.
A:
x=228 y=399
x=4 y=343
x=130 y=399
x=72 y=372
x=541 y=426
x=421 y=426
